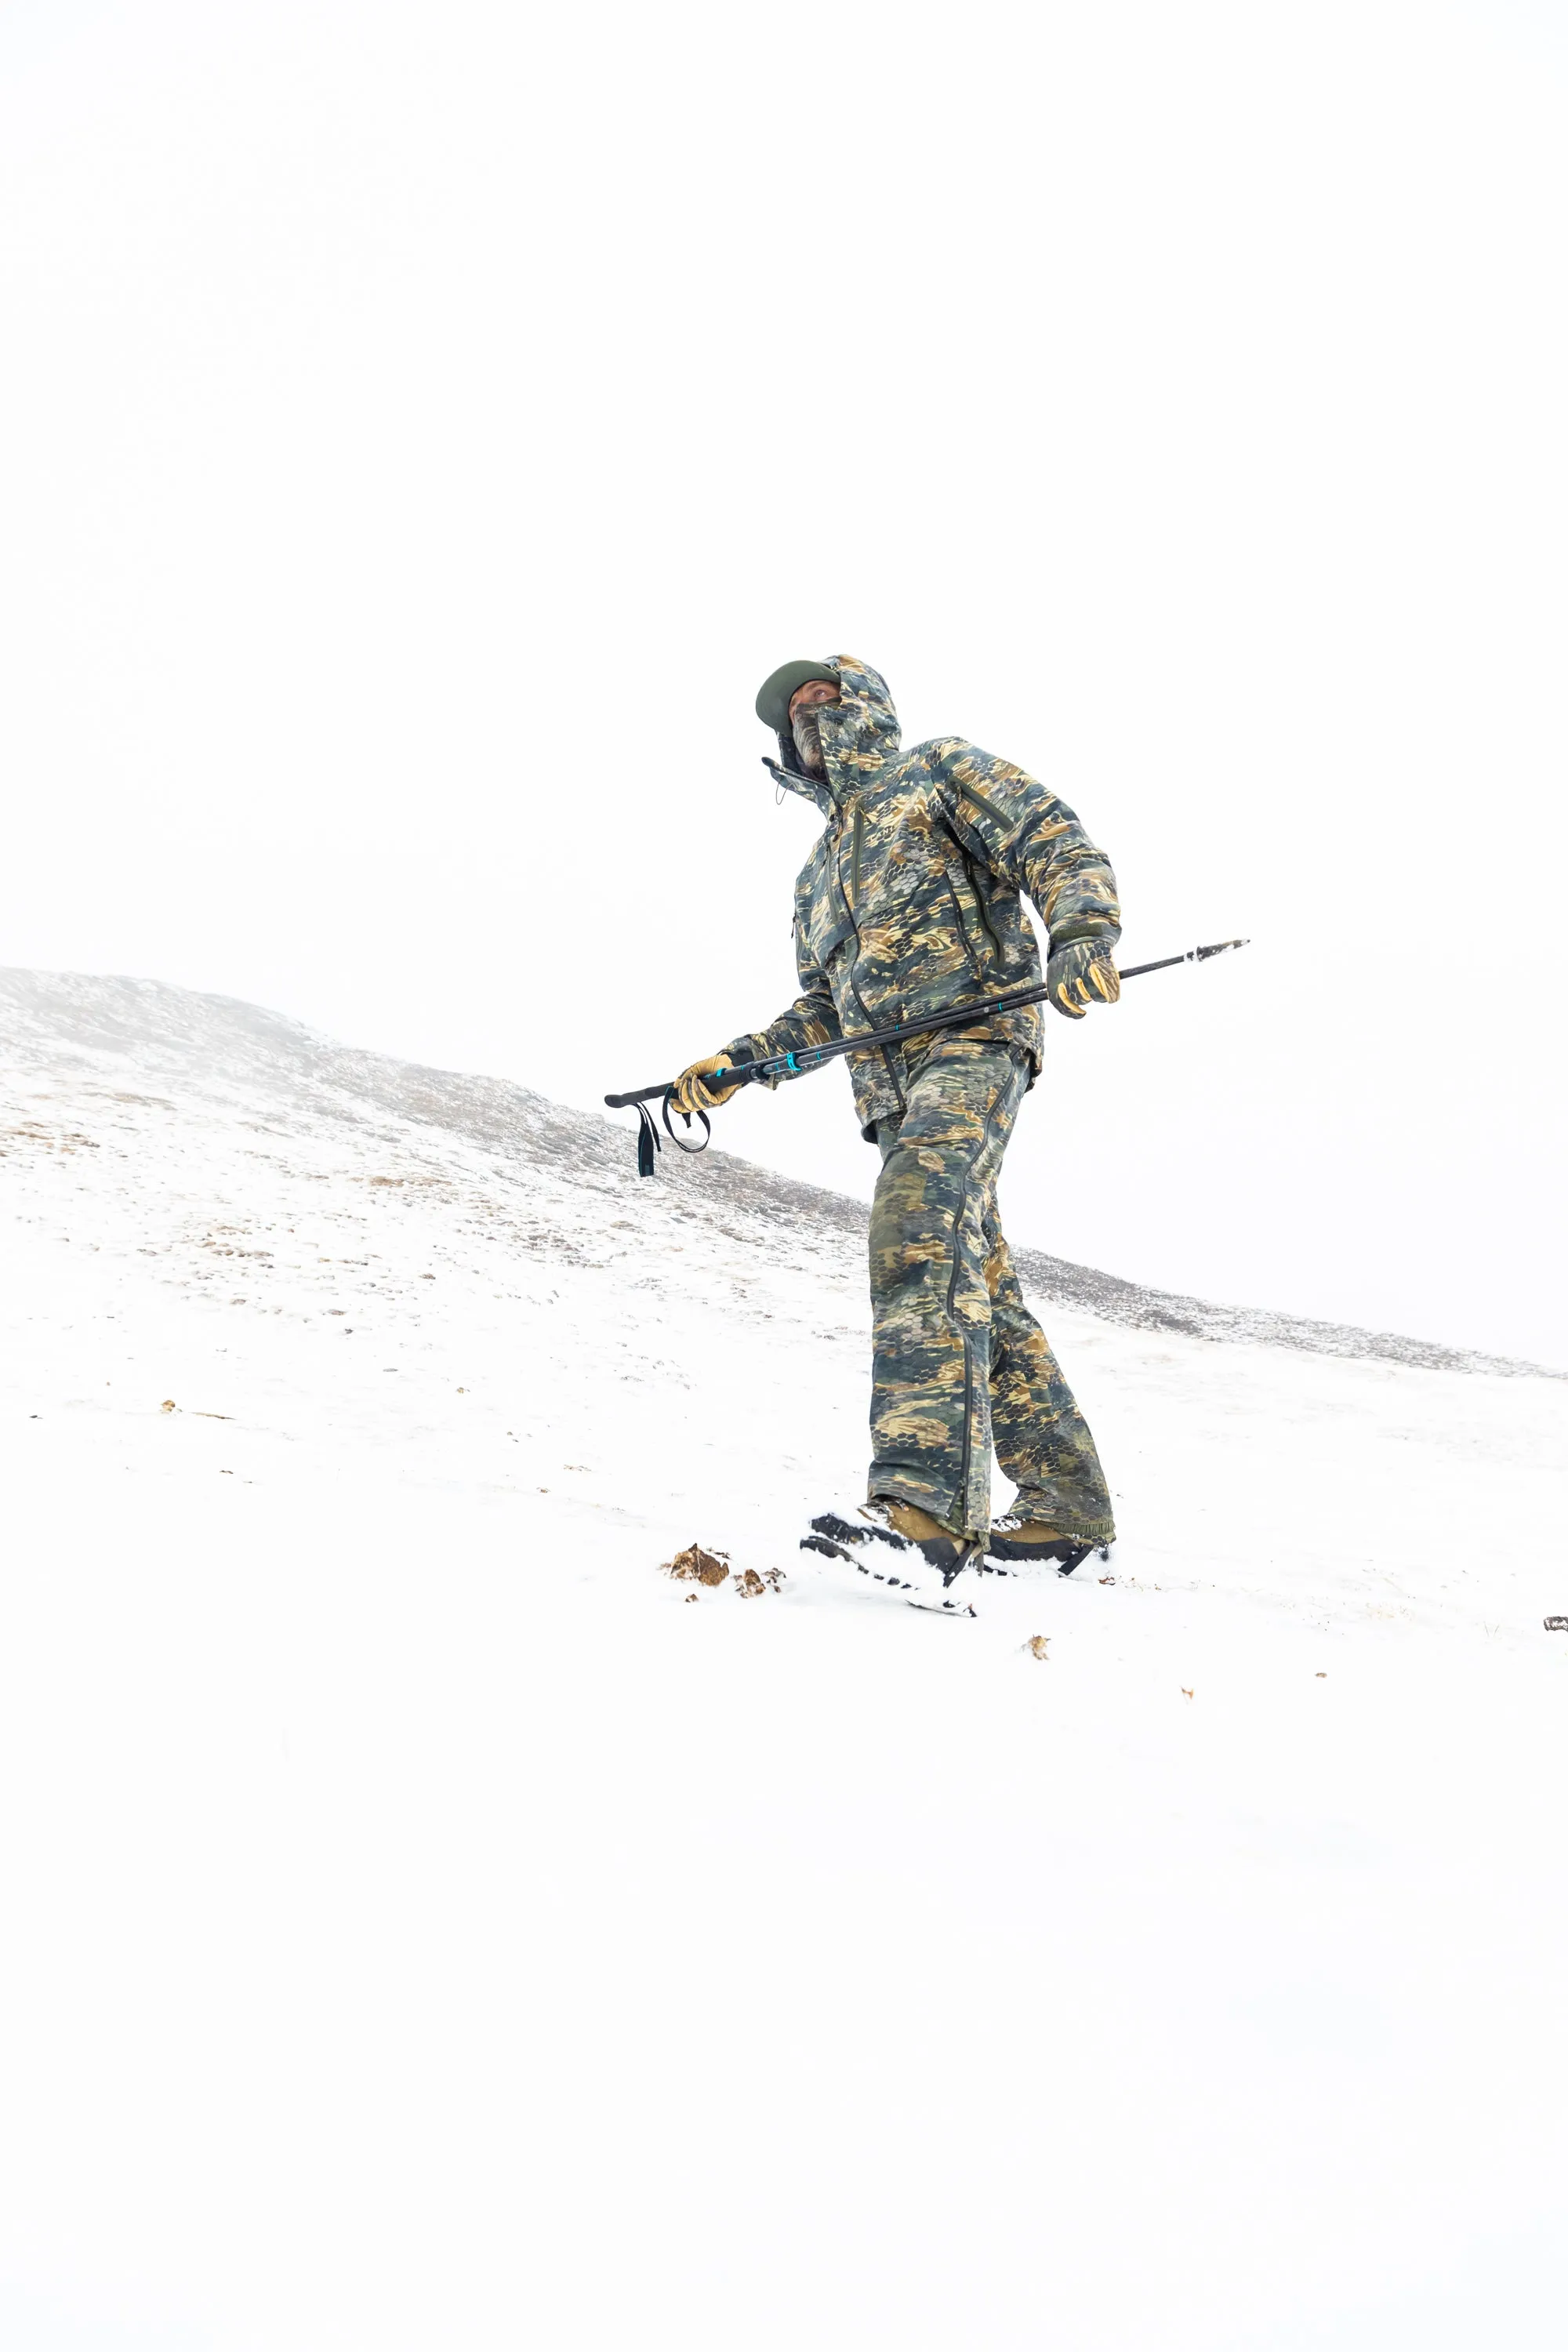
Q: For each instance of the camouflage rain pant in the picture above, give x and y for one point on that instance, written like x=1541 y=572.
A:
x=958 y=1362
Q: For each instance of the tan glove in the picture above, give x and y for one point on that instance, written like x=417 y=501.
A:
x=690 y=1094
x=1080 y=974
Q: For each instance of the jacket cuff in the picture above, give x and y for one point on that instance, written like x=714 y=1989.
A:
x=749 y=1049
x=1076 y=929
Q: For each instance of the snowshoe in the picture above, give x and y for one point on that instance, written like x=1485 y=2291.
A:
x=902 y=1547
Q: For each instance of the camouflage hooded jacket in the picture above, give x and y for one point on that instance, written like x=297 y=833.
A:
x=910 y=900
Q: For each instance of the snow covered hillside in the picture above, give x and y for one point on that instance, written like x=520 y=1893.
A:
x=427 y=1924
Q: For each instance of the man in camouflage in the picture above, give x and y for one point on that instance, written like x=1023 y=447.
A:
x=910 y=903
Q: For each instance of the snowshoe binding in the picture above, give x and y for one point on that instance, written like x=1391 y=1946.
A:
x=1018 y=1541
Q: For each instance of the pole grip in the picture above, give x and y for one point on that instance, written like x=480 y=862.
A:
x=714 y=1080
x=643 y=1094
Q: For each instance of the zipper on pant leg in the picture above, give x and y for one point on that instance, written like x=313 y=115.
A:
x=968 y=1418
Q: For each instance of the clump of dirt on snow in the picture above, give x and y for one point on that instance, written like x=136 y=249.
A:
x=748 y=1584
x=696 y=1566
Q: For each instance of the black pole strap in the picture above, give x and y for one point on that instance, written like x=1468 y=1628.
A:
x=679 y=1140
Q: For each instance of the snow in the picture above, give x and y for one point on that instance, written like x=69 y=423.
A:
x=427 y=1924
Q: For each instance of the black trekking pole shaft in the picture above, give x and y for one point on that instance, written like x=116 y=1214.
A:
x=962 y=1017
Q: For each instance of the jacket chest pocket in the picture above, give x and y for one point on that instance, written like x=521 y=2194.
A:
x=899 y=901
x=891 y=871
x=894 y=886
x=827 y=926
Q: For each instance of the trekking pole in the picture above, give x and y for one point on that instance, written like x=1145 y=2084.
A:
x=807 y=1058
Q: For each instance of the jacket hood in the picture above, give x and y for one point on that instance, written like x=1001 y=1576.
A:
x=858 y=732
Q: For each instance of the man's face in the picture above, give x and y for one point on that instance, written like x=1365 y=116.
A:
x=803 y=705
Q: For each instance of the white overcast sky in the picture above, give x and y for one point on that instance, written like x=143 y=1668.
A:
x=422 y=427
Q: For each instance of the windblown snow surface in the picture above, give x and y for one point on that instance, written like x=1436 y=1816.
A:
x=427 y=1924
